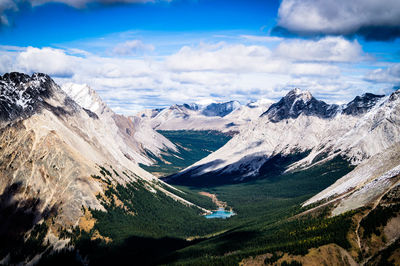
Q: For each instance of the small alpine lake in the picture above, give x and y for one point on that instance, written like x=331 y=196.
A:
x=220 y=213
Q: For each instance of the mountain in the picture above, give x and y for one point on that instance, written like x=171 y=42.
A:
x=220 y=109
x=361 y=104
x=134 y=138
x=366 y=183
x=224 y=117
x=376 y=137
x=306 y=130
x=59 y=162
x=340 y=163
x=72 y=191
x=298 y=102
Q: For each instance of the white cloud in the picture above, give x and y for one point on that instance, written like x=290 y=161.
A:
x=220 y=57
x=338 y=16
x=390 y=74
x=47 y=60
x=290 y=56
x=258 y=38
x=132 y=47
x=334 y=49
x=219 y=71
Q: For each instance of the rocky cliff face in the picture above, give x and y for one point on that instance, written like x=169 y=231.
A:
x=39 y=139
x=220 y=109
x=361 y=104
x=298 y=102
x=53 y=153
x=134 y=139
x=22 y=95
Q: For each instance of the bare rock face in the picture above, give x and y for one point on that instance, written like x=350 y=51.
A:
x=52 y=149
x=35 y=117
x=133 y=138
x=362 y=104
x=298 y=102
x=48 y=170
x=218 y=109
x=22 y=95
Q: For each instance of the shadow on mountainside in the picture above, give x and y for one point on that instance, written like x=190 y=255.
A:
x=17 y=218
x=273 y=166
x=134 y=250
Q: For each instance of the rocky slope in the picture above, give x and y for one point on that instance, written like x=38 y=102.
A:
x=53 y=153
x=301 y=124
x=133 y=137
x=224 y=117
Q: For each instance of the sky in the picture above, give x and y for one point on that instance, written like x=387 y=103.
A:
x=154 y=53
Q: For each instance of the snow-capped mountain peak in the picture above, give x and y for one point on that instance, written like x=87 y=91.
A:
x=260 y=102
x=131 y=136
x=298 y=94
x=298 y=102
x=301 y=123
x=21 y=94
x=191 y=106
x=221 y=109
x=362 y=104
x=85 y=97
x=226 y=117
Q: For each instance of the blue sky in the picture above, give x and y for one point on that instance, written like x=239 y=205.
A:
x=55 y=23
x=144 y=54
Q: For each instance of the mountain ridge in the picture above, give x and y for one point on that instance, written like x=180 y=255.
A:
x=344 y=133
x=58 y=160
x=226 y=117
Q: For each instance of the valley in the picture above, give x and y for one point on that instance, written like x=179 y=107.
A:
x=192 y=146
x=117 y=190
x=199 y=132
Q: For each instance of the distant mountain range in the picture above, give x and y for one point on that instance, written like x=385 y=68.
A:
x=225 y=117
x=306 y=132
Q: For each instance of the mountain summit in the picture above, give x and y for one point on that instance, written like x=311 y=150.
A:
x=362 y=104
x=22 y=95
x=221 y=109
x=298 y=102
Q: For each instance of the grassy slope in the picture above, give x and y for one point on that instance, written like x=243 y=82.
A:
x=193 y=146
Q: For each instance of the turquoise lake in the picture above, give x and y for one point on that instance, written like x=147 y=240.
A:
x=220 y=213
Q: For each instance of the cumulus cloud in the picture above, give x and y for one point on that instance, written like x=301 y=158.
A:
x=375 y=20
x=47 y=60
x=132 y=47
x=389 y=74
x=220 y=57
x=334 y=49
x=301 y=56
x=202 y=72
